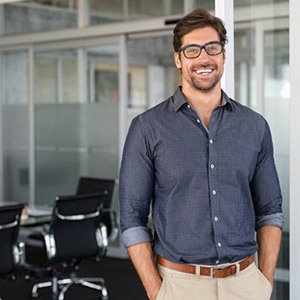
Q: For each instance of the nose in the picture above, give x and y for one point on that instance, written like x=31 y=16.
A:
x=203 y=55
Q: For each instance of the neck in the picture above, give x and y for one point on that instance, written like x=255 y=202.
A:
x=203 y=102
x=207 y=100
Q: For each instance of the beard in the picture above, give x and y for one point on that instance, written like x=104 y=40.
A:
x=207 y=86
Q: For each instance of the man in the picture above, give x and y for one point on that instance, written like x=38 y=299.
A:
x=204 y=164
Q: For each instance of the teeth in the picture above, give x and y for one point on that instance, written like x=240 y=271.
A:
x=204 y=71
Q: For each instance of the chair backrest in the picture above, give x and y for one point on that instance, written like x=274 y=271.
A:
x=89 y=185
x=9 y=227
x=74 y=228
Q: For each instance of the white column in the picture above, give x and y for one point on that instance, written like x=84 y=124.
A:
x=189 y=5
x=156 y=85
x=83 y=13
x=224 y=10
x=294 y=150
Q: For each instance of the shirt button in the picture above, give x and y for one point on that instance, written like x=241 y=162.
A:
x=188 y=106
x=216 y=219
x=212 y=166
x=214 y=192
x=211 y=141
x=219 y=245
x=198 y=121
x=217 y=261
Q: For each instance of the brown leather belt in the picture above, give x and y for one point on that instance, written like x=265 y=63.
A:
x=213 y=272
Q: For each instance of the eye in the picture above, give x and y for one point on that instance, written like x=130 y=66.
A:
x=212 y=48
x=191 y=50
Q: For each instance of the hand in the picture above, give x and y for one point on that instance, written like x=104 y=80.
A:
x=270 y=278
x=154 y=292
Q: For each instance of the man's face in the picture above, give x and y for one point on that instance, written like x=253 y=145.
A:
x=204 y=72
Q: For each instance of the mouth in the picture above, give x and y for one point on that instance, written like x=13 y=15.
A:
x=204 y=71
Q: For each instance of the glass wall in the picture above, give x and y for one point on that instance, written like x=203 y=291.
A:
x=15 y=127
x=119 y=10
x=262 y=82
x=152 y=73
x=37 y=16
x=76 y=118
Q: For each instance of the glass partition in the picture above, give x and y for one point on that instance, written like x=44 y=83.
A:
x=262 y=82
x=276 y=108
x=37 y=16
x=118 y=10
x=152 y=73
x=15 y=127
x=76 y=119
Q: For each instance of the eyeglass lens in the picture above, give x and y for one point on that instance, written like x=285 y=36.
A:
x=194 y=51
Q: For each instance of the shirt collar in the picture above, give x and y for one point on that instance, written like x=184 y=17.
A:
x=180 y=100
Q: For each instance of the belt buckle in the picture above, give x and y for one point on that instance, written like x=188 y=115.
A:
x=212 y=269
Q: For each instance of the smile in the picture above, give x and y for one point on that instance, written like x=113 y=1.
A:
x=204 y=71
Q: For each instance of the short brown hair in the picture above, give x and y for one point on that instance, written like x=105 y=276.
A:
x=198 y=18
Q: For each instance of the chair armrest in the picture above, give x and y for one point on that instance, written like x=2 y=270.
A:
x=102 y=241
x=19 y=253
x=114 y=224
x=50 y=245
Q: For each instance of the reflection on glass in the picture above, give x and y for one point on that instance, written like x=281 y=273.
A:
x=76 y=132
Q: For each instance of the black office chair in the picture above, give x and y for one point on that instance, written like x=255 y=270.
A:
x=74 y=234
x=11 y=252
x=90 y=185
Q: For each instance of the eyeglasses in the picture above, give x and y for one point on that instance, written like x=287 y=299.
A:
x=194 y=51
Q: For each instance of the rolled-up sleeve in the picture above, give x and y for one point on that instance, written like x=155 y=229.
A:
x=136 y=186
x=265 y=186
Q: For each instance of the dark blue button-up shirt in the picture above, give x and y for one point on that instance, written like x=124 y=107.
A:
x=210 y=189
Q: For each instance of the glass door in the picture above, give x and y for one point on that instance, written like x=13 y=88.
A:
x=14 y=127
x=152 y=73
x=76 y=118
x=262 y=83
x=276 y=109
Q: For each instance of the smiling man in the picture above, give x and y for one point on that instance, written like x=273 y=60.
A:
x=203 y=164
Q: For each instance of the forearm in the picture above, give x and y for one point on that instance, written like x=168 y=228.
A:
x=142 y=257
x=269 y=239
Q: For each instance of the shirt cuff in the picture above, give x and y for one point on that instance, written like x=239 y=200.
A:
x=269 y=220
x=136 y=235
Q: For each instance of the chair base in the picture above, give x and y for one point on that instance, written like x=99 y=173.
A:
x=61 y=286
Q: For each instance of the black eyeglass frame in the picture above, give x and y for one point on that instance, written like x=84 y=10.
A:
x=202 y=47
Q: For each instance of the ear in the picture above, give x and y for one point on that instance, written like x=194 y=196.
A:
x=177 y=60
x=224 y=54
